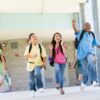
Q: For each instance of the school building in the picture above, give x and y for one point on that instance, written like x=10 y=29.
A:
x=19 y=18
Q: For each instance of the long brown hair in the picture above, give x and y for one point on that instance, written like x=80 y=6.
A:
x=53 y=42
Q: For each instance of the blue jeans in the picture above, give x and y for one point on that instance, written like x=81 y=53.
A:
x=59 y=73
x=89 y=69
x=35 y=80
x=79 y=67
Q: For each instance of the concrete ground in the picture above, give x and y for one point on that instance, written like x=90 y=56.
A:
x=72 y=93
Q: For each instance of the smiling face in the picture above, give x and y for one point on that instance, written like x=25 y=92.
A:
x=57 y=38
x=87 y=26
x=33 y=39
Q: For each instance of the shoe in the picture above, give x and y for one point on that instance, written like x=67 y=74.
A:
x=95 y=84
x=57 y=88
x=82 y=86
x=33 y=93
x=41 y=90
x=62 y=92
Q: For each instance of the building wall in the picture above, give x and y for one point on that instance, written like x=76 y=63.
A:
x=19 y=25
x=16 y=64
x=98 y=7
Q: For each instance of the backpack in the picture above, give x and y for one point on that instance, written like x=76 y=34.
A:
x=51 y=61
x=40 y=48
x=81 y=36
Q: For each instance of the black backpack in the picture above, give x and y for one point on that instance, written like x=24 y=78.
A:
x=81 y=36
x=30 y=48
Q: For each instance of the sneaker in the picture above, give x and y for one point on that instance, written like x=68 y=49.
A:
x=95 y=84
x=41 y=90
x=33 y=93
x=82 y=86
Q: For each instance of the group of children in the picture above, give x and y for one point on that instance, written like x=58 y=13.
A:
x=36 y=56
x=36 y=60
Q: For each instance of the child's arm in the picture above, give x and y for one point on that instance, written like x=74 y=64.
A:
x=74 y=65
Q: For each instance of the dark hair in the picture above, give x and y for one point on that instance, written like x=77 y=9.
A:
x=30 y=36
x=53 y=42
x=1 y=47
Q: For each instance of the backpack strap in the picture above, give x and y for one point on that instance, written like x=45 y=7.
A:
x=40 y=48
x=78 y=41
x=40 y=51
x=30 y=47
x=92 y=34
x=81 y=36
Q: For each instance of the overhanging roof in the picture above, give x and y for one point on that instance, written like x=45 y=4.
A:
x=39 y=6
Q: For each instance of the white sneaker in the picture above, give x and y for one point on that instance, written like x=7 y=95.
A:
x=82 y=86
x=41 y=90
x=33 y=93
x=95 y=84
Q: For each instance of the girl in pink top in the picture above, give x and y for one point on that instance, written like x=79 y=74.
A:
x=57 y=53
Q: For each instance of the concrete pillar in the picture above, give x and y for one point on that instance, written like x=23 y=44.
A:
x=89 y=12
x=82 y=14
x=97 y=31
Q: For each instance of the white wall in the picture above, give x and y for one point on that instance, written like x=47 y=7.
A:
x=89 y=13
x=39 y=6
x=99 y=13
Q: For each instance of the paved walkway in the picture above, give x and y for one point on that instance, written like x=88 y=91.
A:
x=72 y=93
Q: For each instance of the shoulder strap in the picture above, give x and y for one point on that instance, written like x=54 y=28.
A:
x=92 y=34
x=81 y=36
x=78 y=41
x=40 y=48
x=40 y=51
x=30 y=47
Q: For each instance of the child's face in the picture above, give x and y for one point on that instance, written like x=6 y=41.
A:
x=33 y=39
x=58 y=38
x=87 y=26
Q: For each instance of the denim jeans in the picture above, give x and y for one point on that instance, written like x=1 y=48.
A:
x=35 y=80
x=59 y=73
x=89 y=69
x=79 y=67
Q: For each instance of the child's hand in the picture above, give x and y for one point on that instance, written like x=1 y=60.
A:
x=50 y=47
x=62 y=43
x=72 y=67
x=74 y=21
x=35 y=56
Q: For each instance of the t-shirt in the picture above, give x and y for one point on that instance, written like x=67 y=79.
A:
x=60 y=57
x=86 y=45
x=35 y=61
x=1 y=66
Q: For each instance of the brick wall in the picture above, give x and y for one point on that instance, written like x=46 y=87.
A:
x=17 y=65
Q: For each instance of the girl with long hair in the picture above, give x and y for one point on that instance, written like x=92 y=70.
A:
x=58 y=54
